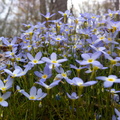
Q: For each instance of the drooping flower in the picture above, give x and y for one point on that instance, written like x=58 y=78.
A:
x=7 y=85
x=73 y=96
x=3 y=98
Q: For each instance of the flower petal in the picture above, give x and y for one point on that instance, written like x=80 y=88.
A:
x=38 y=55
x=4 y=103
x=108 y=84
x=33 y=91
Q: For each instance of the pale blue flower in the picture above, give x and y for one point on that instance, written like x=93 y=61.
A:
x=62 y=74
x=34 y=94
x=73 y=96
x=53 y=60
x=90 y=58
x=3 y=98
x=108 y=81
x=45 y=74
x=54 y=83
x=7 y=85
x=35 y=60
x=79 y=82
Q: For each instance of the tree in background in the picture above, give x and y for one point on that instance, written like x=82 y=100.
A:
x=17 y=12
x=27 y=11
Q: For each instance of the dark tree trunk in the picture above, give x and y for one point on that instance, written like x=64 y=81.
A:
x=57 y=5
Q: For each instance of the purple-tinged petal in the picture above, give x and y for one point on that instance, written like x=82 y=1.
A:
x=40 y=62
x=9 y=83
x=71 y=82
x=30 y=56
x=77 y=81
x=85 y=56
x=33 y=91
x=38 y=55
x=56 y=82
x=14 y=40
x=96 y=63
x=1 y=84
x=108 y=84
x=96 y=55
x=8 y=71
x=43 y=84
x=53 y=56
x=6 y=95
x=25 y=94
x=90 y=83
x=102 y=78
x=61 y=60
x=84 y=63
x=16 y=71
x=117 y=81
x=45 y=59
x=112 y=76
x=117 y=112
x=4 y=103
x=68 y=95
x=38 y=74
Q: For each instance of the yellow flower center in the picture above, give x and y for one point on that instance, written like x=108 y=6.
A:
x=95 y=68
x=74 y=46
x=90 y=60
x=18 y=58
x=54 y=61
x=3 y=89
x=114 y=28
x=14 y=75
x=93 y=17
x=29 y=46
x=111 y=79
x=78 y=70
x=58 y=38
x=64 y=75
x=109 y=39
x=109 y=52
x=101 y=38
x=1 y=99
x=110 y=14
x=79 y=84
x=32 y=97
x=44 y=76
x=11 y=54
x=35 y=61
x=113 y=62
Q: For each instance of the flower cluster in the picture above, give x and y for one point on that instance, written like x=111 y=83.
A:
x=63 y=57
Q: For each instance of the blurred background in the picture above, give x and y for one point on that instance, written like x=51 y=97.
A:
x=15 y=12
